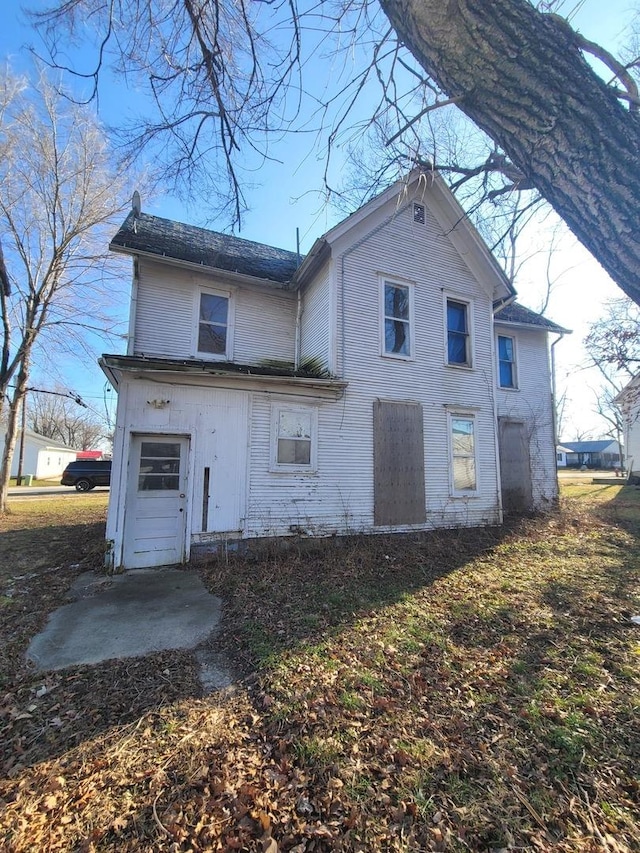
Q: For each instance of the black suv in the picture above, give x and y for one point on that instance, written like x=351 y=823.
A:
x=84 y=474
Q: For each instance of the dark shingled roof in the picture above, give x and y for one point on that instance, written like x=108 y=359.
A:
x=515 y=313
x=588 y=446
x=165 y=238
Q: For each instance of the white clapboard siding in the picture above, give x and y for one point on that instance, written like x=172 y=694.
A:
x=316 y=322
x=216 y=422
x=164 y=314
x=632 y=435
x=338 y=497
x=422 y=255
x=167 y=309
x=532 y=404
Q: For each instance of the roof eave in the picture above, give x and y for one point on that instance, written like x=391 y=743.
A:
x=319 y=253
x=211 y=372
x=452 y=218
x=556 y=330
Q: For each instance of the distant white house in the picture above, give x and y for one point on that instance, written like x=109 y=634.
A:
x=562 y=453
x=43 y=458
x=603 y=453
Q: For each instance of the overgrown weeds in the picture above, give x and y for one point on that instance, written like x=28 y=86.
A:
x=461 y=690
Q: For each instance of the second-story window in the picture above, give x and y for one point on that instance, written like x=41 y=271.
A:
x=397 y=320
x=506 y=362
x=458 y=336
x=213 y=324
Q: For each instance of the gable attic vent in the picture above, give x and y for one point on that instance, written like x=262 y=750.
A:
x=418 y=213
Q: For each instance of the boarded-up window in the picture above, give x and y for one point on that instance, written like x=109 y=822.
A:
x=515 y=467
x=398 y=451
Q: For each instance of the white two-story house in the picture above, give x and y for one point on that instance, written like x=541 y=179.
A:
x=384 y=382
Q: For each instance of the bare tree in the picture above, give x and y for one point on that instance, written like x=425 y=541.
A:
x=610 y=413
x=614 y=339
x=224 y=78
x=59 y=193
x=521 y=76
x=59 y=417
x=613 y=347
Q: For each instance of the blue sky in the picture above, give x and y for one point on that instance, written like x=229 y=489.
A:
x=287 y=194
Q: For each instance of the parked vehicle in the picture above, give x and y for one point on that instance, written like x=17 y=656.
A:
x=85 y=474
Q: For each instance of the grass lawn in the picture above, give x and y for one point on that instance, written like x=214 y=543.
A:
x=466 y=690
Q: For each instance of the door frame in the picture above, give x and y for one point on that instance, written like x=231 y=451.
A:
x=130 y=485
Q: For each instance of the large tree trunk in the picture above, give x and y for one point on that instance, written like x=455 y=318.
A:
x=519 y=75
x=11 y=435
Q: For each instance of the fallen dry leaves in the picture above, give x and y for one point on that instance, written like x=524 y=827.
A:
x=464 y=690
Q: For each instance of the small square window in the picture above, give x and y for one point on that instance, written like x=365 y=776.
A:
x=397 y=319
x=506 y=362
x=419 y=214
x=458 y=335
x=294 y=438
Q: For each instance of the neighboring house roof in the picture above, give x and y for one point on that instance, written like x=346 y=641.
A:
x=42 y=440
x=588 y=446
x=560 y=448
x=518 y=315
x=152 y=235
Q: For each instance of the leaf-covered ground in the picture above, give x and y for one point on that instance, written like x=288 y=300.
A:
x=464 y=690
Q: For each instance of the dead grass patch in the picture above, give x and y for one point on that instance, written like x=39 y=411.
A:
x=462 y=690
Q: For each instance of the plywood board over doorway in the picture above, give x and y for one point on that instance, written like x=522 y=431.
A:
x=398 y=454
x=515 y=467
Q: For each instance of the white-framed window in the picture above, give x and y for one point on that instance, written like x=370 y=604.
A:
x=294 y=441
x=214 y=328
x=507 y=376
x=462 y=442
x=396 y=314
x=458 y=319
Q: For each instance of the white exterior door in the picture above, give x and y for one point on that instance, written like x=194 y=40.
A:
x=156 y=510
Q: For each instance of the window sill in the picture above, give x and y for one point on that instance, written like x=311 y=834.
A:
x=468 y=367
x=397 y=356
x=507 y=388
x=209 y=356
x=273 y=469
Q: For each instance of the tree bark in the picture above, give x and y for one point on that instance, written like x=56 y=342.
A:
x=12 y=435
x=519 y=75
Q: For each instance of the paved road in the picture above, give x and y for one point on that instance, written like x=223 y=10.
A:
x=48 y=491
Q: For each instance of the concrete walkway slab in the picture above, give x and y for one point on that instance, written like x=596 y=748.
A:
x=128 y=615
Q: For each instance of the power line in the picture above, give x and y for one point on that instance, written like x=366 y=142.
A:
x=68 y=394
